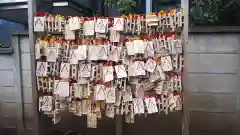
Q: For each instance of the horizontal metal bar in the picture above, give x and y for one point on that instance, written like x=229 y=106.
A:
x=19 y=32
x=6 y=50
x=211 y=93
x=208 y=111
x=12 y=1
x=8 y=117
x=212 y=73
x=25 y=6
x=12 y=102
x=234 y=52
x=14 y=6
x=215 y=29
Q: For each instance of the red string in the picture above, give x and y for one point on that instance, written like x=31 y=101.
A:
x=41 y=14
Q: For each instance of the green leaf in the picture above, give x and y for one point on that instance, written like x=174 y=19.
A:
x=220 y=12
x=125 y=6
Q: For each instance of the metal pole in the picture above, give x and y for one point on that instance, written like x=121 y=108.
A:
x=32 y=5
x=186 y=126
x=148 y=6
x=18 y=81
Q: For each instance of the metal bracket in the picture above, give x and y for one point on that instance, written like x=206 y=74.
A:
x=7 y=50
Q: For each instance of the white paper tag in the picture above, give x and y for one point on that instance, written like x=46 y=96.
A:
x=47 y=103
x=74 y=56
x=139 y=66
x=150 y=65
x=37 y=51
x=140 y=90
x=41 y=69
x=107 y=73
x=120 y=71
x=149 y=51
x=77 y=90
x=139 y=46
x=114 y=36
x=171 y=102
x=86 y=90
x=59 y=48
x=49 y=23
x=132 y=69
x=166 y=63
x=101 y=25
x=161 y=73
x=74 y=23
x=138 y=106
x=115 y=53
x=69 y=35
x=178 y=103
x=88 y=28
x=101 y=35
x=110 y=110
x=58 y=24
x=157 y=74
x=151 y=105
x=118 y=97
x=85 y=70
x=78 y=108
x=73 y=71
x=93 y=52
x=44 y=45
x=126 y=60
x=97 y=107
x=99 y=92
x=102 y=52
x=85 y=106
x=51 y=54
x=61 y=88
x=152 y=20
x=110 y=95
x=159 y=88
x=127 y=95
x=92 y=120
x=56 y=117
x=82 y=80
x=130 y=48
x=65 y=70
x=179 y=46
x=82 y=49
x=118 y=24
x=39 y=24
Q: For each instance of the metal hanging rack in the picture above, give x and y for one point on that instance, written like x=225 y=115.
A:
x=23 y=11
